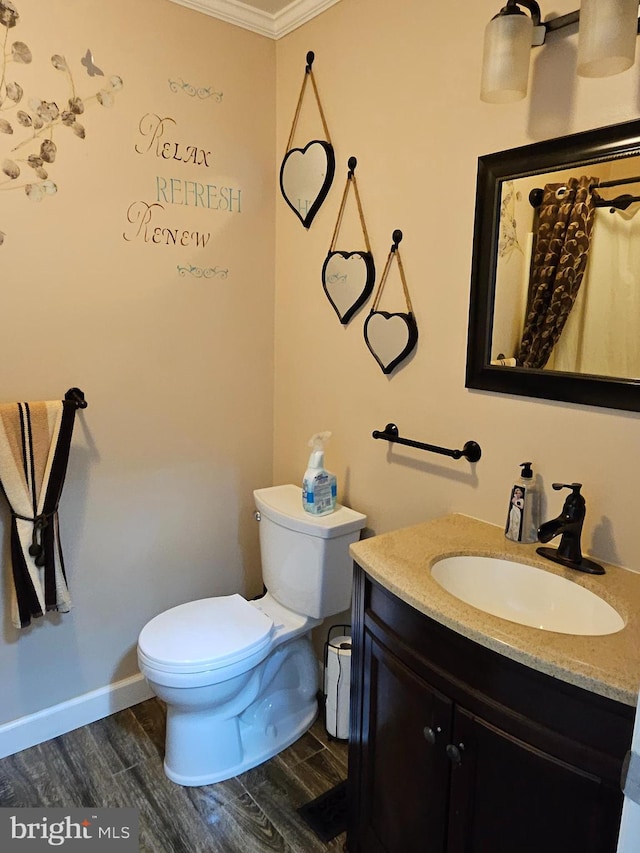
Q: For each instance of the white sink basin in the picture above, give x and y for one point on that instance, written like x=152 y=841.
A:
x=526 y=595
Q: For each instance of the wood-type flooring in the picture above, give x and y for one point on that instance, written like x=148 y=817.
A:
x=117 y=762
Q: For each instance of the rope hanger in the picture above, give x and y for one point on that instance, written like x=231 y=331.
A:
x=351 y=180
x=394 y=252
x=308 y=74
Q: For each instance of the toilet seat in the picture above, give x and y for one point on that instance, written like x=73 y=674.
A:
x=205 y=635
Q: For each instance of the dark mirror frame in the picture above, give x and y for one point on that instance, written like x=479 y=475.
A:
x=576 y=150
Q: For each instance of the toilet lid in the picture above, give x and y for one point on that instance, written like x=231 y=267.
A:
x=205 y=634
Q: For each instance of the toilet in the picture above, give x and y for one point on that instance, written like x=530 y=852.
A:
x=239 y=677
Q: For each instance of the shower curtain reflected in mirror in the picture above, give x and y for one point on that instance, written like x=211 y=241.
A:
x=561 y=248
x=600 y=336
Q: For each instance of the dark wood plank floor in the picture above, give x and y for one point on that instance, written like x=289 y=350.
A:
x=118 y=762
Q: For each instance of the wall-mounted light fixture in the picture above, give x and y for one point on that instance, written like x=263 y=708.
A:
x=606 y=43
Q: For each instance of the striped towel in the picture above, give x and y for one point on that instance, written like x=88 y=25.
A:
x=34 y=450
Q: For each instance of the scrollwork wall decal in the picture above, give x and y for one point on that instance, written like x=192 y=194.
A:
x=199 y=272
x=201 y=92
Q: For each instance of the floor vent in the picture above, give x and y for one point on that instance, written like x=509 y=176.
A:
x=327 y=814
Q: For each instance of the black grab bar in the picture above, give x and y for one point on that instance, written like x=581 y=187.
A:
x=471 y=450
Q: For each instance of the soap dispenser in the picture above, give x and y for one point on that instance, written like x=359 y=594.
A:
x=522 y=516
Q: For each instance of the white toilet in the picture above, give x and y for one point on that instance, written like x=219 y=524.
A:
x=239 y=677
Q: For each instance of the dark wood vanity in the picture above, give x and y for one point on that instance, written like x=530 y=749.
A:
x=455 y=747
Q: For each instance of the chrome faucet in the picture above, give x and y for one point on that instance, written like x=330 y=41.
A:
x=569 y=525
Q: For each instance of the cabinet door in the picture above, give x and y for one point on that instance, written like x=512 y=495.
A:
x=507 y=796
x=406 y=725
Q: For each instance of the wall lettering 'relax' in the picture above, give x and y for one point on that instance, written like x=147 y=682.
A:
x=148 y=220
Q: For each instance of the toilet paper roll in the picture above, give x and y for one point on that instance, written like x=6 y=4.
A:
x=337 y=679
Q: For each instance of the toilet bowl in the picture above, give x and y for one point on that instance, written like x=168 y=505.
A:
x=239 y=677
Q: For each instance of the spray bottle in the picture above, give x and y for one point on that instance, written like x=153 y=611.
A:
x=319 y=487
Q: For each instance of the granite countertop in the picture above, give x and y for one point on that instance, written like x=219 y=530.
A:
x=608 y=665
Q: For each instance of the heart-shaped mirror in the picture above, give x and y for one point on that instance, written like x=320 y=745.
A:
x=306 y=176
x=347 y=279
x=390 y=337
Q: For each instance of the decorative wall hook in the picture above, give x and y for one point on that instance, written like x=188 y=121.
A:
x=75 y=395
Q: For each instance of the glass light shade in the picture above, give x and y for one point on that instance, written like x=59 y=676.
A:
x=607 y=37
x=505 y=63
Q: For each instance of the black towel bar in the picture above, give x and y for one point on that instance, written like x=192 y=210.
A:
x=75 y=395
x=471 y=450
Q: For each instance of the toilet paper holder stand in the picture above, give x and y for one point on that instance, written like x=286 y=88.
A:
x=340 y=633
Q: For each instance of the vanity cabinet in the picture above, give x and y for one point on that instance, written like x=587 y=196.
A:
x=457 y=749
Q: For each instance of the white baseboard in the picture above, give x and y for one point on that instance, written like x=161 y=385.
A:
x=50 y=722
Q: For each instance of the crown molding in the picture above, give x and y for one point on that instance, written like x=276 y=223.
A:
x=249 y=17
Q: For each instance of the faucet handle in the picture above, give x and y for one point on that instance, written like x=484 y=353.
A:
x=574 y=504
x=575 y=487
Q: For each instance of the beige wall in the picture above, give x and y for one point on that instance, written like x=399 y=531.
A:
x=399 y=84
x=177 y=369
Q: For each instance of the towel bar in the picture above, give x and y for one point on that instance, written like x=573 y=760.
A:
x=471 y=449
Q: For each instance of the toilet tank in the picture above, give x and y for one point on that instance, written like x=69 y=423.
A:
x=305 y=558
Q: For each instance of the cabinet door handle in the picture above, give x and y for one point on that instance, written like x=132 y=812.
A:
x=430 y=734
x=454 y=753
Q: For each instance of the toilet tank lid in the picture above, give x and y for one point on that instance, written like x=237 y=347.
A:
x=205 y=634
x=283 y=504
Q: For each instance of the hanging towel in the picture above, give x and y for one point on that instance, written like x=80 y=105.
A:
x=34 y=450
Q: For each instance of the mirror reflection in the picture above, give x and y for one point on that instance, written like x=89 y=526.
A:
x=554 y=303
x=567 y=287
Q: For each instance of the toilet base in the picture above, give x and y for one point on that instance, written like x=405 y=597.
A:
x=264 y=747
x=259 y=714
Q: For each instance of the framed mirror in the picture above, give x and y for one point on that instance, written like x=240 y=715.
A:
x=306 y=175
x=593 y=353
x=347 y=280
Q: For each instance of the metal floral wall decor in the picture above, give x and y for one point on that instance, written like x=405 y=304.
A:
x=391 y=337
x=348 y=277
x=508 y=239
x=31 y=128
x=306 y=174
